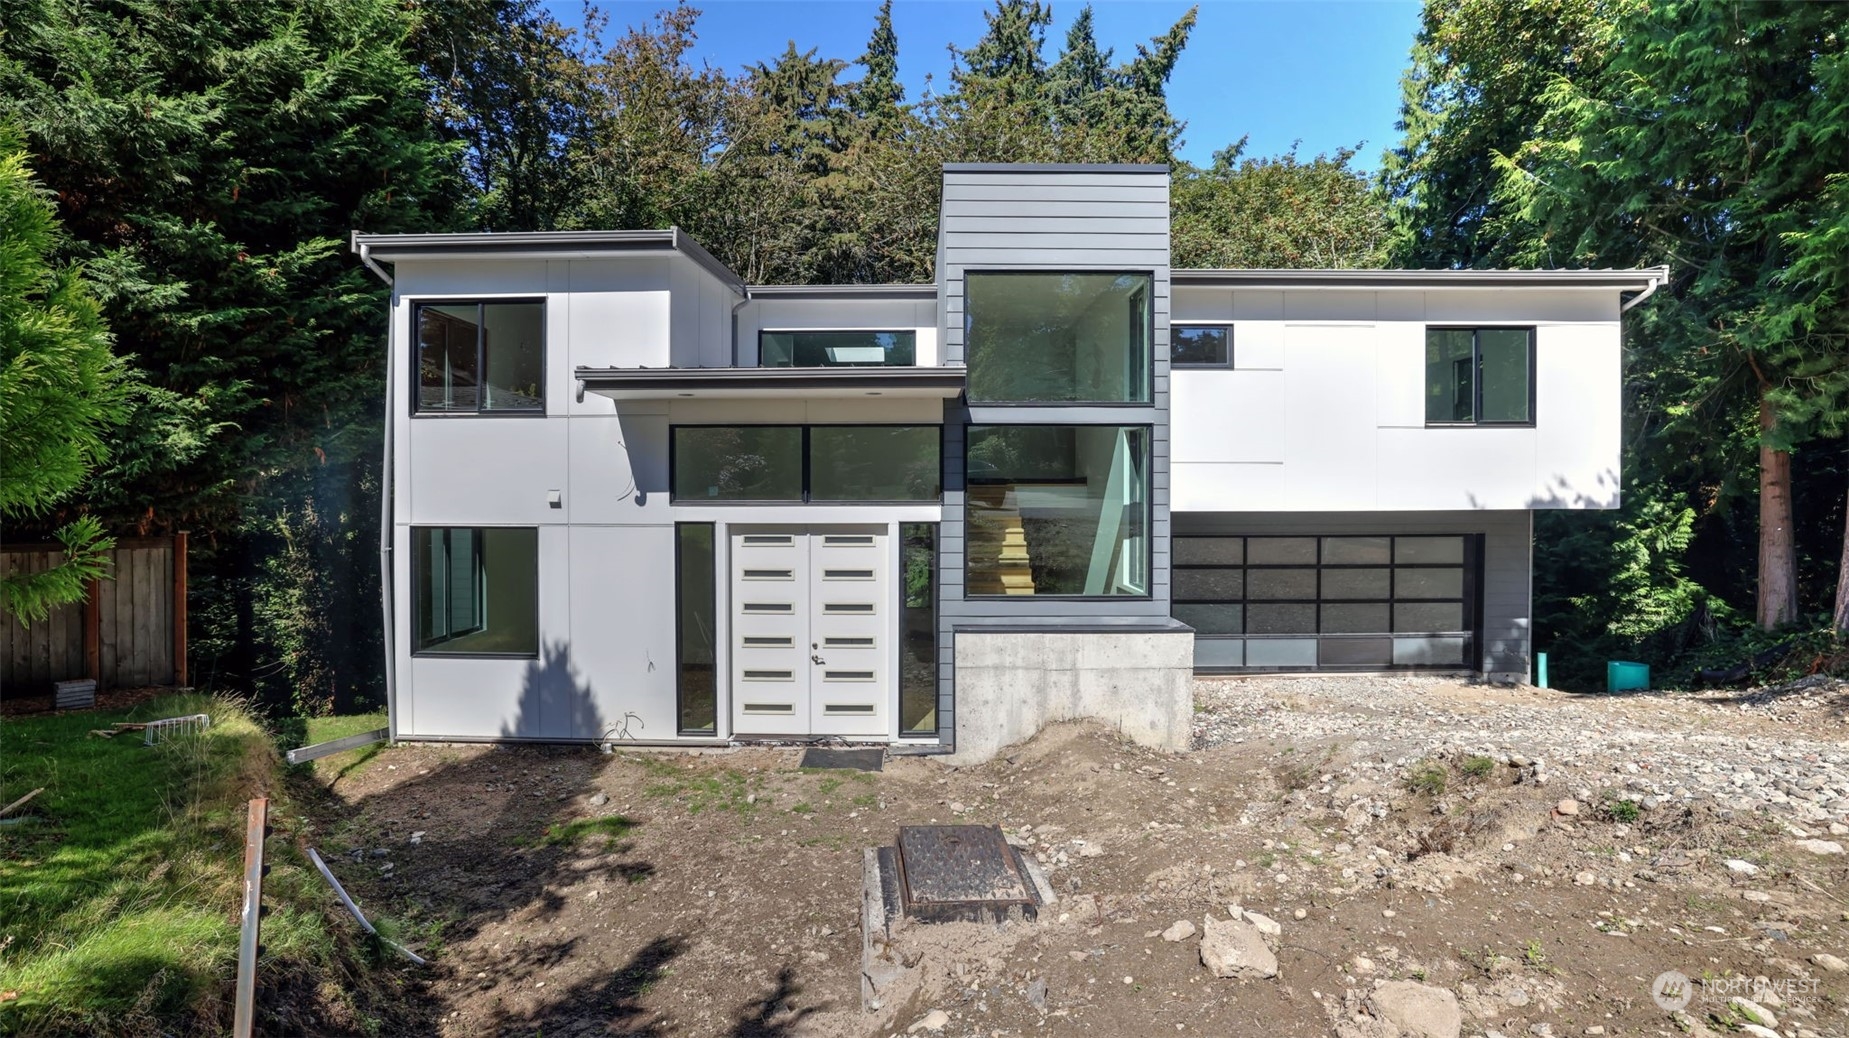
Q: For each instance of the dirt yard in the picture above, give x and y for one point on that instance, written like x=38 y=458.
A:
x=1394 y=830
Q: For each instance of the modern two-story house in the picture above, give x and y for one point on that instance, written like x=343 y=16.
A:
x=633 y=498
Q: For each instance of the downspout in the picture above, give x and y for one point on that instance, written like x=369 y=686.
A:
x=1660 y=278
x=385 y=505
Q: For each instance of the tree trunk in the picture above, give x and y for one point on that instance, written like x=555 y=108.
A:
x=1841 y=615
x=1778 y=565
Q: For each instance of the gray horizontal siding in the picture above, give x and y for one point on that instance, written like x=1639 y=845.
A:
x=1058 y=219
x=1507 y=585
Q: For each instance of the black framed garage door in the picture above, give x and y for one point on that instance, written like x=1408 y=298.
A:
x=1330 y=602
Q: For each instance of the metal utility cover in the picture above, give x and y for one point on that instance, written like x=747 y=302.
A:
x=962 y=873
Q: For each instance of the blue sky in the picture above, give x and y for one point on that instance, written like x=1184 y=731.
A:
x=1323 y=72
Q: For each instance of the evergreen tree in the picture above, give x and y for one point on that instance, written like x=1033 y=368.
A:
x=209 y=158
x=876 y=100
x=62 y=391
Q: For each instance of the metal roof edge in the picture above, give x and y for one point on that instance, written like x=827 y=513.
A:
x=1630 y=278
x=1055 y=167
x=909 y=291
x=391 y=247
x=841 y=376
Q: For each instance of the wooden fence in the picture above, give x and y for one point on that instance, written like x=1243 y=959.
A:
x=130 y=631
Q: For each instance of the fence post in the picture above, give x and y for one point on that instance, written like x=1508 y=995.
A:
x=93 y=633
x=179 y=609
x=256 y=829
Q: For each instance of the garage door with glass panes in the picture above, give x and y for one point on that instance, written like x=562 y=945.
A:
x=1348 y=602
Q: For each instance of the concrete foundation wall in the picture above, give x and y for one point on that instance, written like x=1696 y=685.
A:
x=1011 y=684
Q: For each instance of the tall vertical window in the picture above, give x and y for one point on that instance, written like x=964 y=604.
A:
x=1479 y=376
x=476 y=591
x=1057 y=510
x=695 y=683
x=1057 y=338
x=481 y=357
x=917 y=629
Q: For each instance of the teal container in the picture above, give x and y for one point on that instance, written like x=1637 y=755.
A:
x=1540 y=670
x=1625 y=677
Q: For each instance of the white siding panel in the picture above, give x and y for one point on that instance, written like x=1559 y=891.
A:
x=1226 y=487
x=1331 y=305
x=1258 y=346
x=620 y=658
x=1579 y=410
x=1329 y=420
x=1201 y=305
x=1258 y=305
x=1225 y=416
x=1457 y=468
x=1524 y=306
x=619 y=468
x=1399 y=374
x=475 y=470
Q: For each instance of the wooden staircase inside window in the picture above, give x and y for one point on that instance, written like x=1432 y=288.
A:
x=995 y=533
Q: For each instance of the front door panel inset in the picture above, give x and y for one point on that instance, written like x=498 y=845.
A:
x=770 y=633
x=811 y=630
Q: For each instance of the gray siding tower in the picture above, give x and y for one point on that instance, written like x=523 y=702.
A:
x=1016 y=660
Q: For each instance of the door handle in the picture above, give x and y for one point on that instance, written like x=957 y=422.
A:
x=813 y=658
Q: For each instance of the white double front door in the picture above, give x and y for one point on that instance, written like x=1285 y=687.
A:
x=813 y=622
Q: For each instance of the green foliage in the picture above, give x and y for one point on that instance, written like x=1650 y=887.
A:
x=209 y=158
x=120 y=893
x=1276 y=212
x=62 y=391
x=1477 y=766
x=1620 y=809
x=1428 y=777
x=611 y=828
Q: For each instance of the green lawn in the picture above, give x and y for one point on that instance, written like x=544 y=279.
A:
x=333 y=768
x=119 y=900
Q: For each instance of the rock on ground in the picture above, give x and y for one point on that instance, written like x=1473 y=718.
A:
x=1234 y=948
x=1181 y=931
x=1418 y=1010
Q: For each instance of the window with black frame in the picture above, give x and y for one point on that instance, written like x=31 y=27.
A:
x=837 y=348
x=481 y=357
x=475 y=591
x=1057 y=510
x=1057 y=337
x=793 y=464
x=1479 y=376
x=1201 y=345
x=1331 y=601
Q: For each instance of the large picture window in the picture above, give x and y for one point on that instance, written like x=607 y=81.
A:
x=1479 y=376
x=476 y=591
x=1057 y=510
x=835 y=349
x=807 y=463
x=481 y=357
x=1058 y=337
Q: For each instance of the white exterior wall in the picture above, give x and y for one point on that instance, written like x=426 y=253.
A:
x=1323 y=409
x=606 y=555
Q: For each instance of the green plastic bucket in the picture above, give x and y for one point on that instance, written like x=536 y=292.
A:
x=1621 y=676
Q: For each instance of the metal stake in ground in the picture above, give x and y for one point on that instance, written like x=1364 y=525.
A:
x=255 y=830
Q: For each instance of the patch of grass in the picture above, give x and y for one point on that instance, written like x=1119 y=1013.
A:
x=121 y=898
x=829 y=784
x=1536 y=958
x=334 y=767
x=802 y=808
x=722 y=790
x=610 y=827
x=1428 y=777
x=1477 y=766
x=1617 y=808
x=865 y=800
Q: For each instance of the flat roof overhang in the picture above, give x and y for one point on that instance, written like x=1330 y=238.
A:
x=1633 y=280
x=771 y=383
x=391 y=248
